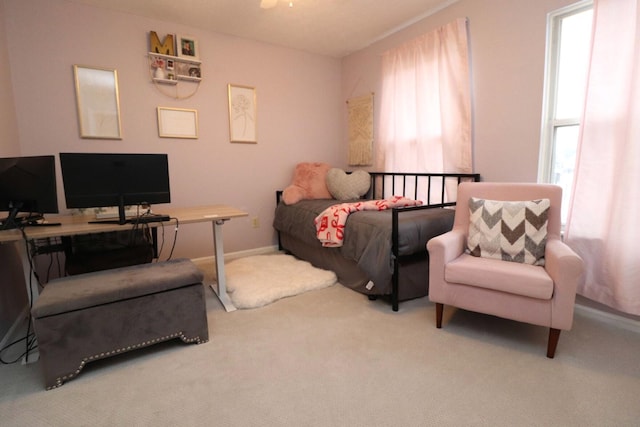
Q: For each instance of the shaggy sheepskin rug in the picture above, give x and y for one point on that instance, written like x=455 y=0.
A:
x=259 y=280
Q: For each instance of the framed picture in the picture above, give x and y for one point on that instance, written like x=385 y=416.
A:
x=188 y=71
x=187 y=47
x=242 y=113
x=98 y=102
x=177 y=123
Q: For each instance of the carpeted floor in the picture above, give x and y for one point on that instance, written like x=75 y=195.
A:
x=331 y=357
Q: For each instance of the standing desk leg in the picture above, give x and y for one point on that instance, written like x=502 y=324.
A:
x=221 y=289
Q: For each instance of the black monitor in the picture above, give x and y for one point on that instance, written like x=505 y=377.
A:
x=28 y=186
x=105 y=179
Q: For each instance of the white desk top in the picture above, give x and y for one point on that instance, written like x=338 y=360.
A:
x=79 y=224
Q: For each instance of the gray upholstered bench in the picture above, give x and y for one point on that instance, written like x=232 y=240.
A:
x=78 y=319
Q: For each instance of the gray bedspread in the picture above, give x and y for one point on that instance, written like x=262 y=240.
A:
x=367 y=237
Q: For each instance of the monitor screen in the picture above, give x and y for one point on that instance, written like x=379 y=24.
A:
x=28 y=185
x=105 y=179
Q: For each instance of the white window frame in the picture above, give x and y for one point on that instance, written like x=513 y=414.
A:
x=549 y=123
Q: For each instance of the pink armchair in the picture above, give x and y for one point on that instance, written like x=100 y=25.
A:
x=540 y=295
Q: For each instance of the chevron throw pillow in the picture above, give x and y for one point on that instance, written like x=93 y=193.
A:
x=508 y=231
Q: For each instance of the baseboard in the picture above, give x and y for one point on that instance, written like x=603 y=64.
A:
x=240 y=254
x=610 y=318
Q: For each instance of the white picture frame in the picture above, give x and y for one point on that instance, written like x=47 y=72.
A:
x=177 y=123
x=187 y=47
x=98 y=102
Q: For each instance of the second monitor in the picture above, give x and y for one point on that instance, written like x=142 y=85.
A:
x=108 y=179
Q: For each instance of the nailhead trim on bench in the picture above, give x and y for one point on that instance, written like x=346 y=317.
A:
x=61 y=380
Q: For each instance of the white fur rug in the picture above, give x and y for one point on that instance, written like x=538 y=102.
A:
x=259 y=280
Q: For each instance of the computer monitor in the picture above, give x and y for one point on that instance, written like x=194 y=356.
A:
x=107 y=179
x=28 y=186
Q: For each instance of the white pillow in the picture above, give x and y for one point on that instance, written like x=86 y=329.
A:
x=343 y=186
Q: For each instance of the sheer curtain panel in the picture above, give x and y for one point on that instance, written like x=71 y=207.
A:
x=603 y=226
x=425 y=116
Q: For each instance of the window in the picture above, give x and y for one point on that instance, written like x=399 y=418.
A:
x=425 y=108
x=568 y=44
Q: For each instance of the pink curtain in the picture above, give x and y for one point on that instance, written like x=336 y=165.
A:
x=603 y=225
x=425 y=118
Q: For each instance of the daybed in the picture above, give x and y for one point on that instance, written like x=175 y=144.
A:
x=384 y=252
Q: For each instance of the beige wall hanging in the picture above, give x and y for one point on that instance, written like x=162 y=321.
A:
x=361 y=130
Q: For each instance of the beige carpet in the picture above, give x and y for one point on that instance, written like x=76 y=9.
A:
x=256 y=281
x=331 y=357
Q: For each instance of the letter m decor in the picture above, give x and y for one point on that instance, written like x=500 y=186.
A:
x=166 y=47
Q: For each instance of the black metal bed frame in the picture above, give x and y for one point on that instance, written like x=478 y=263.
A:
x=379 y=185
x=429 y=185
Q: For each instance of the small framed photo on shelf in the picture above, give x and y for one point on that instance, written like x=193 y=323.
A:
x=194 y=71
x=187 y=47
x=188 y=71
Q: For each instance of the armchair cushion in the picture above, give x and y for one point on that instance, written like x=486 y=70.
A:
x=508 y=230
x=518 y=279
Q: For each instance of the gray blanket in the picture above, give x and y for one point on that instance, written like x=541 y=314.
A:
x=367 y=237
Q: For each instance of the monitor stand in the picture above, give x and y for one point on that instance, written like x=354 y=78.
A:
x=11 y=221
x=145 y=218
x=14 y=220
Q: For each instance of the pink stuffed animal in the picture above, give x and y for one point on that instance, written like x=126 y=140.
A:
x=309 y=182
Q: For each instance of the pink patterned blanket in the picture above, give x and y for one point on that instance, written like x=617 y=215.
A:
x=330 y=223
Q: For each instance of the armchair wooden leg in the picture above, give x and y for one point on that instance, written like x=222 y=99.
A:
x=439 y=311
x=554 y=336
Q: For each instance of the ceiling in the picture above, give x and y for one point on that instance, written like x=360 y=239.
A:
x=328 y=27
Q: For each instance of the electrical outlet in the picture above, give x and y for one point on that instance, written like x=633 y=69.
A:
x=255 y=222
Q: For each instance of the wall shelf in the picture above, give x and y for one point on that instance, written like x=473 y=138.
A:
x=173 y=69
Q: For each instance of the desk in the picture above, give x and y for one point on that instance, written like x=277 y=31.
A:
x=78 y=224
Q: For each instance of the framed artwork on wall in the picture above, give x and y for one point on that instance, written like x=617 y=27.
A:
x=242 y=114
x=98 y=102
x=187 y=47
x=177 y=123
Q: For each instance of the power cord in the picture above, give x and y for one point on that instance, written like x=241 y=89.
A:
x=175 y=238
x=31 y=343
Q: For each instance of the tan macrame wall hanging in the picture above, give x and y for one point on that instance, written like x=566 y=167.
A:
x=361 y=130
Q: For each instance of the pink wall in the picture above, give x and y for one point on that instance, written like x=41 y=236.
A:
x=507 y=42
x=299 y=108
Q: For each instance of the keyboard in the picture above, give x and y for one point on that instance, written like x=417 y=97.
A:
x=149 y=218
x=145 y=219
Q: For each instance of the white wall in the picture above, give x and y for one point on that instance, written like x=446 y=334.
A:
x=507 y=43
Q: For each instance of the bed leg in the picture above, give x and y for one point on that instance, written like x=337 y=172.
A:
x=394 y=285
